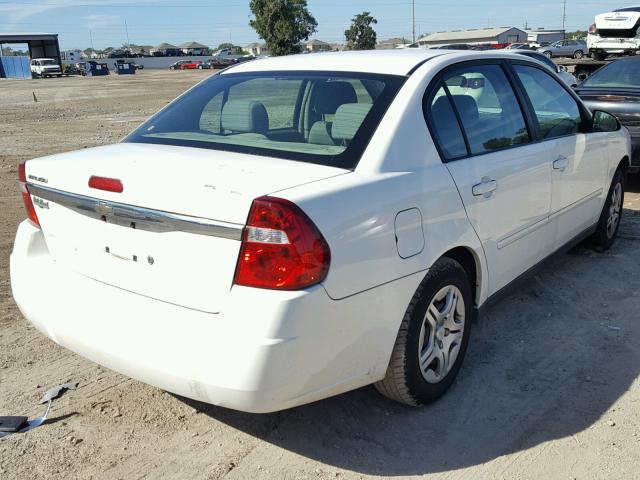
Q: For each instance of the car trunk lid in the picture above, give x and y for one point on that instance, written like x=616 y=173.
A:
x=173 y=232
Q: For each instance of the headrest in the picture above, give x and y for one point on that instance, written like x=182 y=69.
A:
x=333 y=94
x=245 y=116
x=467 y=108
x=348 y=119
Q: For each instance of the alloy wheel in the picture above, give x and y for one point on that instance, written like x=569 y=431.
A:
x=441 y=334
x=615 y=208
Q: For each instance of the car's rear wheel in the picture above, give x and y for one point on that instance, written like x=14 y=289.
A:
x=433 y=337
x=578 y=54
x=609 y=221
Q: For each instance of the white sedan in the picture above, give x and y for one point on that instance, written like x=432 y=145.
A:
x=297 y=227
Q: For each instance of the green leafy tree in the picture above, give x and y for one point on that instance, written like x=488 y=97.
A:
x=282 y=24
x=361 y=35
x=234 y=48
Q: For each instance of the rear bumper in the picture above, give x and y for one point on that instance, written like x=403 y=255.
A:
x=614 y=45
x=264 y=351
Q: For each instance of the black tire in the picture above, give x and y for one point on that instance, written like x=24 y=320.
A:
x=605 y=235
x=404 y=380
x=548 y=54
x=578 y=54
x=599 y=56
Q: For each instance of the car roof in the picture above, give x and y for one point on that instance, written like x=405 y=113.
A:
x=391 y=62
x=385 y=62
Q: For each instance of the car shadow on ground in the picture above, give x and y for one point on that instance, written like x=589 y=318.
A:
x=544 y=363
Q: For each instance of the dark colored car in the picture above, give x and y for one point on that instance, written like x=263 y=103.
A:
x=615 y=88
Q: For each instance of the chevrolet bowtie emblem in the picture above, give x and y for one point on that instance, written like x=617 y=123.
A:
x=103 y=209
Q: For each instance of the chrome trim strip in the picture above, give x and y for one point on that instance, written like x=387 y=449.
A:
x=155 y=220
x=576 y=204
x=514 y=237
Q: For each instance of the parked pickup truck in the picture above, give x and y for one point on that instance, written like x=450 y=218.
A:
x=45 y=67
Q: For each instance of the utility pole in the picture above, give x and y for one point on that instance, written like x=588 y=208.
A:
x=413 y=23
x=91 y=39
x=126 y=29
x=564 y=18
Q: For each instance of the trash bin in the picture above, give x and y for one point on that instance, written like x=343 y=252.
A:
x=94 y=69
x=125 y=68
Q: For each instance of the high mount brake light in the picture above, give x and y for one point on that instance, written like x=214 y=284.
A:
x=106 y=184
x=26 y=196
x=281 y=248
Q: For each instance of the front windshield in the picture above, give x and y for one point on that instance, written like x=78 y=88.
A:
x=619 y=74
x=315 y=117
x=47 y=62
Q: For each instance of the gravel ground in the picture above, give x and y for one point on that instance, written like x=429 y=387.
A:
x=549 y=388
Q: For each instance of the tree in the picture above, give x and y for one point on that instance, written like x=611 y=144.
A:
x=361 y=35
x=282 y=24
x=235 y=49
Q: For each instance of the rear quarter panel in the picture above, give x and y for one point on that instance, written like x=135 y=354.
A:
x=399 y=170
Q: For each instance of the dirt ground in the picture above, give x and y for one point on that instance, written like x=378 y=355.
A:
x=549 y=388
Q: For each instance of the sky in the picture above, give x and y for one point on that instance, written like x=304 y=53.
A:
x=101 y=23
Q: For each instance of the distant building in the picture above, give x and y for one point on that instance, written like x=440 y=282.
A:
x=71 y=56
x=166 y=50
x=318 y=46
x=257 y=49
x=392 y=43
x=140 y=50
x=193 y=48
x=501 y=35
x=542 y=35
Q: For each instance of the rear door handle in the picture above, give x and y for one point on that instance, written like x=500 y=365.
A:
x=560 y=163
x=485 y=188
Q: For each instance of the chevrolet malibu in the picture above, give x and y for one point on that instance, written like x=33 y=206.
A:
x=297 y=227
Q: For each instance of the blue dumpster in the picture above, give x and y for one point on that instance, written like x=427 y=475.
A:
x=125 y=68
x=94 y=69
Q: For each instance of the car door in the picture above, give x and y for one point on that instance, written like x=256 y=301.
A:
x=503 y=177
x=579 y=161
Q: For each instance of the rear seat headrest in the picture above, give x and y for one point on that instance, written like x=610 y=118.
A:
x=332 y=94
x=245 y=116
x=348 y=119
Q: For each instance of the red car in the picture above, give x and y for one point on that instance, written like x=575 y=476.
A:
x=191 y=65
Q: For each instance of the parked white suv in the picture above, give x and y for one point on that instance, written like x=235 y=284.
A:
x=301 y=226
x=45 y=67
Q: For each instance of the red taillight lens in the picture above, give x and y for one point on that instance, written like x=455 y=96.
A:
x=281 y=248
x=107 y=184
x=593 y=29
x=26 y=196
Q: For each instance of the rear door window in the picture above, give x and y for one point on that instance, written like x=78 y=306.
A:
x=487 y=107
x=556 y=110
x=446 y=128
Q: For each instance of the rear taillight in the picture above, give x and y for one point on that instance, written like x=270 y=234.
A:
x=26 y=196
x=106 y=184
x=281 y=248
x=592 y=29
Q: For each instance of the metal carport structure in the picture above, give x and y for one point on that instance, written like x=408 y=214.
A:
x=41 y=45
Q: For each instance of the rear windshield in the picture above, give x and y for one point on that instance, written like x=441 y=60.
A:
x=316 y=117
x=618 y=74
x=47 y=62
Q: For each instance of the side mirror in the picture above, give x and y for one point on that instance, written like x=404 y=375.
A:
x=604 y=122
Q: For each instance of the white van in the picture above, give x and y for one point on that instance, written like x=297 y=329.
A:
x=615 y=32
x=45 y=67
